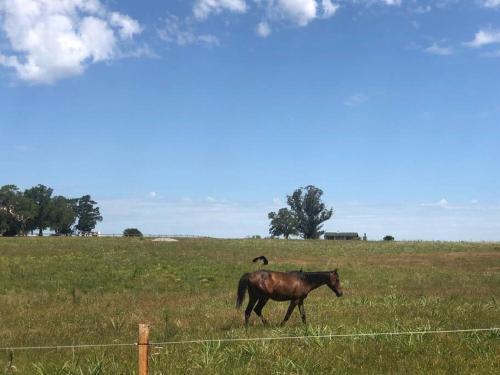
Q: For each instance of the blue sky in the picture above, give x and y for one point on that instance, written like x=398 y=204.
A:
x=199 y=117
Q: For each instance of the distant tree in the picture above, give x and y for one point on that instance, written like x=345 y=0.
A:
x=62 y=215
x=8 y=201
x=132 y=232
x=283 y=223
x=16 y=211
x=88 y=214
x=41 y=197
x=8 y=196
x=34 y=209
x=388 y=238
x=26 y=212
x=309 y=211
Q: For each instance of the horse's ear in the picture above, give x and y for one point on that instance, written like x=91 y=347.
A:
x=335 y=271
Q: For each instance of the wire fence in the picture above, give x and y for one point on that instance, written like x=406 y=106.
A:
x=249 y=339
x=149 y=235
x=98 y=234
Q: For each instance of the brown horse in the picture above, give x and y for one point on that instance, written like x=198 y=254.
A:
x=293 y=286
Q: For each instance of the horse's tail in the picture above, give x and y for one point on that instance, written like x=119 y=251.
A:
x=242 y=288
x=262 y=258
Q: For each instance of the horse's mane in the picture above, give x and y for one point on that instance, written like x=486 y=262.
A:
x=313 y=276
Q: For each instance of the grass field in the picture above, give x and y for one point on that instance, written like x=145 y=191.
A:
x=56 y=291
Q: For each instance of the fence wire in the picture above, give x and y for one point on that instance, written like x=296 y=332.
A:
x=240 y=339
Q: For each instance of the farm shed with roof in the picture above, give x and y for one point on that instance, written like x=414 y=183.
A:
x=342 y=236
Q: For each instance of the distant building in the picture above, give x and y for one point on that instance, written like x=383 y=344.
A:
x=341 y=236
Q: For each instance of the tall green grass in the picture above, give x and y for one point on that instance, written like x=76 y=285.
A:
x=58 y=291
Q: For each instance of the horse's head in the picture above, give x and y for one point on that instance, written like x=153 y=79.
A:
x=334 y=283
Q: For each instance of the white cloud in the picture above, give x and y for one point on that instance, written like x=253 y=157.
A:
x=128 y=27
x=263 y=29
x=203 y=8
x=186 y=216
x=355 y=100
x=484 y=37
x=54 y=39
x=493 y=54
x=476 y=222
x=377 y=2
x=181 y=32
x=152 y=194
x=300 y=12
x=138 y=52
x=329 y=8
x=436 y=49
x=392 y=2
x=479 y=222
x=422 y=9
x=490 y=3
x=96 y=37
x=209 y=40
x=443 y=203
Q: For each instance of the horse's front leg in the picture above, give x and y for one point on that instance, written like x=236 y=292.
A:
x=292 y=306
x=302 y=311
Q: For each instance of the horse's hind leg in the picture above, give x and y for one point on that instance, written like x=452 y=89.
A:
x=292 y=306
x=252 y=300
x=302 y=311
x=258 y=309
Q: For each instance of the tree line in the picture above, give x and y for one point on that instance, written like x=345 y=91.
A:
x=304 y=217
x=36 y=209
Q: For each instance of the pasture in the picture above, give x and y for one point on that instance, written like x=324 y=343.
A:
x=57 y=291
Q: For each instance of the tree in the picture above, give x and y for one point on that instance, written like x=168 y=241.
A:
x=309 y=211
x=21 y=212
x=87 y=214
x=388 y=238
x=132 y=232
x=8 y=195
x=283 y=223
x=16 y=211
x=62 y=215
x=8 y=199
x=40 y=195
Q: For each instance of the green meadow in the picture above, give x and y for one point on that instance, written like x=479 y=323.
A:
x=64 y=291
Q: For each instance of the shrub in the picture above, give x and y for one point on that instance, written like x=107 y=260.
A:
x=132 y=232
x=388 y=238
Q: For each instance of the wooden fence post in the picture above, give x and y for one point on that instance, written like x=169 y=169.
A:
x=143 y=345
